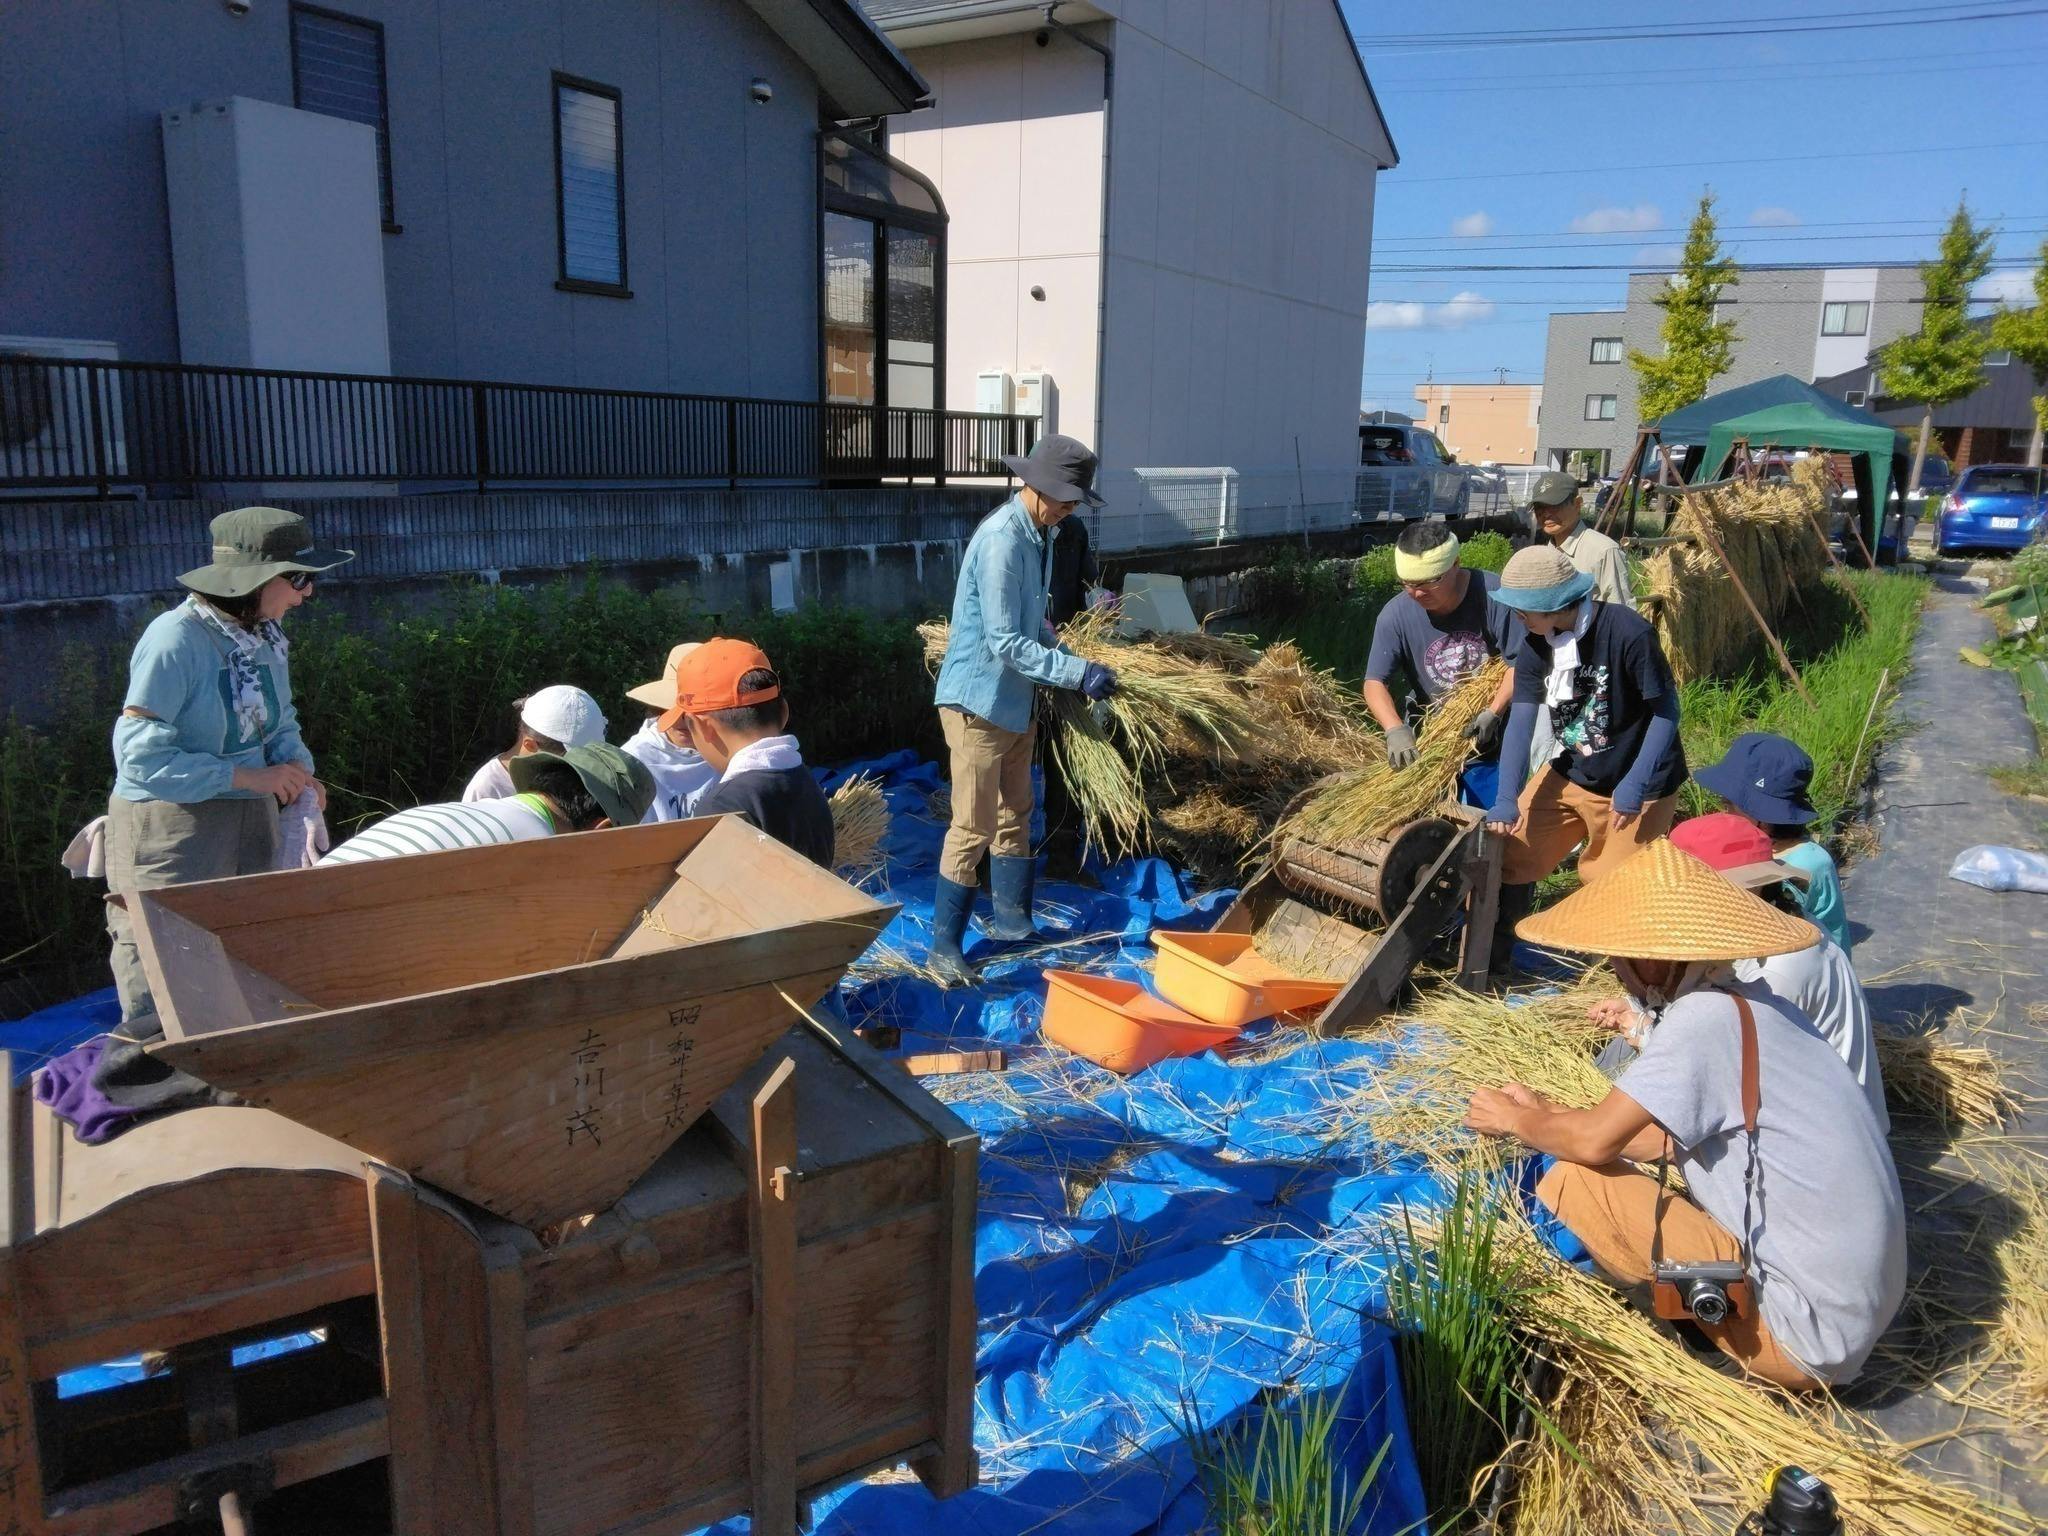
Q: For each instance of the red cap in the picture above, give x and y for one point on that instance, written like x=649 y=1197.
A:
x=708 y=680
x=1736 y=846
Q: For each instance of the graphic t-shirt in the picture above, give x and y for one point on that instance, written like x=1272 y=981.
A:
x=1599 y=730
x=1439 y=651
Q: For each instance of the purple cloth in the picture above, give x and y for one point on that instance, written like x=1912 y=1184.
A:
x=66 y=1086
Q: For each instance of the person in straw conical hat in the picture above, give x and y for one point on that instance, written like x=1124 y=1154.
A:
x=1819 y=1225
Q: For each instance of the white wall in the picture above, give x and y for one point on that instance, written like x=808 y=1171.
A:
x=1014 y=145
x=1838 y=354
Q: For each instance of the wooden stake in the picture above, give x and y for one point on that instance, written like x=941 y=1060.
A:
x=1627 y=477
x=772 y=1212
x=953 y=1063
x=1714 y=543
x=1482 y=909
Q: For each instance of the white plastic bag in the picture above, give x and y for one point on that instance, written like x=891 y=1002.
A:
x=2001 y=869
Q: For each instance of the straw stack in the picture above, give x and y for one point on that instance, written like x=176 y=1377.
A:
x=860 y=828
x=1768 y=533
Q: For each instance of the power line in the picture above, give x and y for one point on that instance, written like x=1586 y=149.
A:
x=1828 y=66
x=1655 y=28
x=1816 y=74
x=1679 y=165
x=1931 y=224
x=1631 y=237
x=1746 y=26
x=1647 y=268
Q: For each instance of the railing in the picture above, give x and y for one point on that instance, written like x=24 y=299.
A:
x=79 y=423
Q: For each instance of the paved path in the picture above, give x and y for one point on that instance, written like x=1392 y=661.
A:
x=1936 y=953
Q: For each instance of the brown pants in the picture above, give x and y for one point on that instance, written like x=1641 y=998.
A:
x=1557 y=816
x=154 y=843
x=991 y=793
x=1613 y=1210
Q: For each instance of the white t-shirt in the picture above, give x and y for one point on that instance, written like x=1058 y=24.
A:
x=493 y=781
x=681 y=777
x=437 y=828
x=1829 y=1260
x=1821 y=983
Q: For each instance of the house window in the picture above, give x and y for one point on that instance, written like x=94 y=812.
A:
x=1999 y=359
x=1853 y=396
x=590 y=188
x=1443 y=415
x=1845 y=319
x=1599 y=407
x=338 y=71
x=1606 y=349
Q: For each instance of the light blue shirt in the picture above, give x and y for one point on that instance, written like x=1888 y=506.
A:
x=1000 y=647
x=190 y=751
x=1822 y=898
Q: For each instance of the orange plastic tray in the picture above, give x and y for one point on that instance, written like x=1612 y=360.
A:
x=1119 y=1025
x=1221 y=978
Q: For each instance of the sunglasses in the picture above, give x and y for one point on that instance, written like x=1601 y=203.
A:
x=301 y=581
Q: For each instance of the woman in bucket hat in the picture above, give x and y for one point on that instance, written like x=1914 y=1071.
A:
x=207 y=746
x=1787 y=1174
x=1612 y=781
x=1001 y=649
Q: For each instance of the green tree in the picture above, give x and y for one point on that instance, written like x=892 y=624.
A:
x=1944 y=360
x=1697 y=347
x=2024 y=333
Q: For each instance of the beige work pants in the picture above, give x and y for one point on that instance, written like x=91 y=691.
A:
x=1557 y=816
x=991 y=793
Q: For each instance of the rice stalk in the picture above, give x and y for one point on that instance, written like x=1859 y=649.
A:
x=2019 y=1336
x=1286 y=1477
x=1956 y=1085
x=860 y=828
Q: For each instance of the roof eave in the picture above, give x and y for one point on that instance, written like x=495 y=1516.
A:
x=859 y=71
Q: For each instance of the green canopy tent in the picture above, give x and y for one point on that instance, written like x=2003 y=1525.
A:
x=1784 y=412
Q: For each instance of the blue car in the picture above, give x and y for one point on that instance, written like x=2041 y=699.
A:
x=1994 y=506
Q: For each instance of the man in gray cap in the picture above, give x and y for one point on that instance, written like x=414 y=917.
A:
x=1554 y=515
x=1001 y=649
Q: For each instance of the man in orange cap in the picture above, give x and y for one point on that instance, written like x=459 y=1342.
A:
x=681 y=776
x=729 y=702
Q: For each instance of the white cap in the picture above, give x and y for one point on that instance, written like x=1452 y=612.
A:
x=564 y=714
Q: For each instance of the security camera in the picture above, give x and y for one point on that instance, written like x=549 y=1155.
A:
x=237 y=7
x=1043 y=38
x=762 y=92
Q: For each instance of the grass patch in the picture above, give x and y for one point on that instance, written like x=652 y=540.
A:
x=1286 y=1477
x=2028 y=779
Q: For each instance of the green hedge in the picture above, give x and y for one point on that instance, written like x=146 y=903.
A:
x=400 y=711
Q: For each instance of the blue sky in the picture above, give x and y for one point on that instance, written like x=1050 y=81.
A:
x=1526 y=145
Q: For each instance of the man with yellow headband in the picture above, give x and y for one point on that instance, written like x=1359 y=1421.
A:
x=1438 y=630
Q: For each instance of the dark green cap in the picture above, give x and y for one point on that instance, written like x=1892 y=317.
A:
x=253 y=544
x=1553 y=488
x=621 y=784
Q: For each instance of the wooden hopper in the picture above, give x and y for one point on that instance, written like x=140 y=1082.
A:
x=529 y=1025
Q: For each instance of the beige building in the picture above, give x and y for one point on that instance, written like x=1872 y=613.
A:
x=1482 y=423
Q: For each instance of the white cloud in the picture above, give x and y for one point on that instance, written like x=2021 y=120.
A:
x=1659 y=255
x=1461 y=309
x=1611 y=221
x=1472 y=225
x=2015 y=287
x=1770 y=214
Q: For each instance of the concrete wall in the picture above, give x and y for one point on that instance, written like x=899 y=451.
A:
x=720 y=194
x=1483 y=423
x=1569 y=377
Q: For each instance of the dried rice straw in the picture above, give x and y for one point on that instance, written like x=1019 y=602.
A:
x=860 y=828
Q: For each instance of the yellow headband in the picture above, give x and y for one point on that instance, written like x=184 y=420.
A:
x=1427 y=566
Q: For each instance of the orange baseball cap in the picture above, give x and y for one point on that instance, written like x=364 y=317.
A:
x=708 y=680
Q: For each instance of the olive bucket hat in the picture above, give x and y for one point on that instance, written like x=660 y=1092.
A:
x=253 y=544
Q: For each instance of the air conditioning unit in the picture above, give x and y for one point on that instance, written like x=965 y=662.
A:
x=995 y=392
x=46 y=411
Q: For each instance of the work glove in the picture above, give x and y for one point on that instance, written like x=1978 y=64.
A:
x=1401 y=748
x=1484 y=731
x=1098 y=682
x=1101 y=597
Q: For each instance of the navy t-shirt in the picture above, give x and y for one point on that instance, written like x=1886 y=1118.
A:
x=1439 y=651
x=1622 y=674
x=786 y=803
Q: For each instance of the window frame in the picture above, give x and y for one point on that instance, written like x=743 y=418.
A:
x=1593 y=357
x=1998 y=357
x=564 y=283
x=1853 y=397
x=1612 y=404
x=1845 y=305
x=387 y=191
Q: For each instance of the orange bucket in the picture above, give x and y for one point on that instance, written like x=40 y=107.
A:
x=1119 y=1025
x=1221 y=978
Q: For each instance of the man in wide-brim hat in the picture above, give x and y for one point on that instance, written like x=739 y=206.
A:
x=1820 y=1226
x=1001 y=650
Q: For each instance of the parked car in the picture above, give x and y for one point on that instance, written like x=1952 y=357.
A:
x=1936 y=477
x=1994 y=506
x=1406 y=472
x=1402 y=445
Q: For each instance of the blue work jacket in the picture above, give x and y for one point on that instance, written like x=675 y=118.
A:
x=1000 y=648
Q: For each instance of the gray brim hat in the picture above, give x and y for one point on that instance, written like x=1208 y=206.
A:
x=1060 y=467
x=620 y=784
x=1540 y=579
x=253 y=544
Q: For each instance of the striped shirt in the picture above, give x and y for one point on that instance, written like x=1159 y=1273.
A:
x=437 y=828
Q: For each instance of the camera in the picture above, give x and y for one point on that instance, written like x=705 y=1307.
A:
x=1704 y=1293
x=237 y=7
x=762 y=92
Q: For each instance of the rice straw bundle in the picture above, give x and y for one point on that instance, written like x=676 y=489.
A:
x=1954 y=1084
x=1371 y=802
x=1630 y=1387
x=1230 y=653
x=860 y=828
x=2019 y=1337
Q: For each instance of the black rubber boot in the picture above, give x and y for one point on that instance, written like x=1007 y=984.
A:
x=1515 y=901
x=951 y=905
x=1011 y=882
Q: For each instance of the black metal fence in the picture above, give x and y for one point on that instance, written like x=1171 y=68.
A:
x=171 y=426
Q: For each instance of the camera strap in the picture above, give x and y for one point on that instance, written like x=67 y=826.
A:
x=1751 y=1099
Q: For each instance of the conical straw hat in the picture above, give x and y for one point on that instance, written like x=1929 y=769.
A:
x=1664 y=904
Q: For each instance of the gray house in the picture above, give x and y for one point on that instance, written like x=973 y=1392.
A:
x=1811 y=322
x=624 y=196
